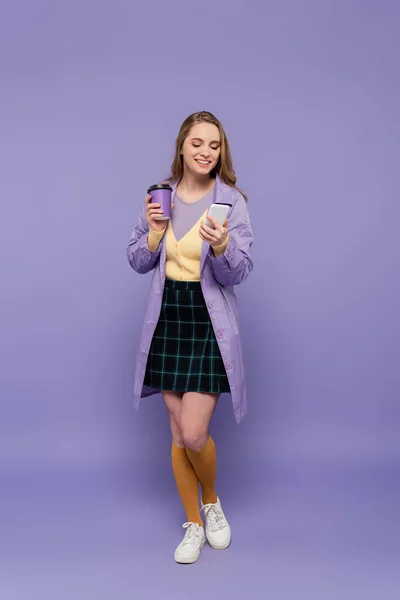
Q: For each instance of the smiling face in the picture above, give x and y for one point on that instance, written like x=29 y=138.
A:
x=202 y=148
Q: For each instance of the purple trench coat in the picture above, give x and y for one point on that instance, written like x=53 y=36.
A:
x=217 y=276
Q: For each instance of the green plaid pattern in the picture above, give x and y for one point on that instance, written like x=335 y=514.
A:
x=184 y=354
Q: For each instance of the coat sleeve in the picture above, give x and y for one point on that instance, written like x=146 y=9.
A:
x=140 y=257
x=236 y=263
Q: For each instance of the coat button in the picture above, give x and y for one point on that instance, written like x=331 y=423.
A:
x=211 y=304
x=220 y=334
x=229 y=366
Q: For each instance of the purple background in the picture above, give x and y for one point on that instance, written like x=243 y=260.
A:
x=92 y=96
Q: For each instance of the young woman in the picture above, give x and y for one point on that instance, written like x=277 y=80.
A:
x=190 y=348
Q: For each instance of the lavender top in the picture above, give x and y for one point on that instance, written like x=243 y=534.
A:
x=186 y=214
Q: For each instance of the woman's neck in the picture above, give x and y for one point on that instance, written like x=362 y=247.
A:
x=192 y=187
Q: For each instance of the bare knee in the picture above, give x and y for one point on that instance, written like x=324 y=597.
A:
x=176 y=431
x=194 y=439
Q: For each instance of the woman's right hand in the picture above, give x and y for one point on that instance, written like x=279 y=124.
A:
x=154 y=210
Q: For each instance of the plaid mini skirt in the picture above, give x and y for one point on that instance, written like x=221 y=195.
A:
x=184 y=355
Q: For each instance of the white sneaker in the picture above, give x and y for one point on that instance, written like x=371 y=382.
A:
x=218 y=531
x=189 y=549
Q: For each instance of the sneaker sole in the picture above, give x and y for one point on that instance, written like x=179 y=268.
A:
x=190 y=561
x=220 y=546
x=215 y=547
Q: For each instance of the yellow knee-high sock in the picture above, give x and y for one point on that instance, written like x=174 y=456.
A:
x=205 y=465
x=187 y=483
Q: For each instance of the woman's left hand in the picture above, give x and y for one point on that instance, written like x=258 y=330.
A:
x=216 y=235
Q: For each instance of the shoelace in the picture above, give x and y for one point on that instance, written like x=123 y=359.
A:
x=191 y=533
x=215 y=517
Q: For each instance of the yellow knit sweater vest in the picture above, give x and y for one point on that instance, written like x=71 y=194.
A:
x=183 y=256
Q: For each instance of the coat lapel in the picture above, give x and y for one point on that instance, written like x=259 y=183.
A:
x=205 y=246
x=218 y=196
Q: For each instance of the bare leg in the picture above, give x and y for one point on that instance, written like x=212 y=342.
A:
x=195 y=416
x=173 y=402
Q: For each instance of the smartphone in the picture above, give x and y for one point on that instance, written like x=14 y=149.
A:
x=219 y=212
